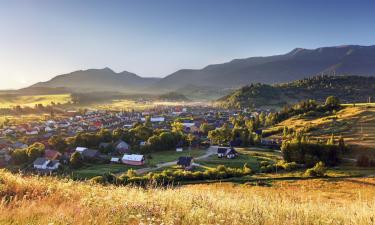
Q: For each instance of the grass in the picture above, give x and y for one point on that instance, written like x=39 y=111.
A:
x=92 y=170
x=32 y=100
x=169 y=156
x=47 y=200
x=246 y=156
x=355 y=124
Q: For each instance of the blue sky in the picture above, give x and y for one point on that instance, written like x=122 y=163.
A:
x=42 y=38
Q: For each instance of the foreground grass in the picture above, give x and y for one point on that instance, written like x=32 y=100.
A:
x=45 y=200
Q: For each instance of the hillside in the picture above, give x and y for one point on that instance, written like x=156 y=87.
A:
x=355 y=123
x=346 y=88
x=297 y=64
x=47 y=200
x=98 y=80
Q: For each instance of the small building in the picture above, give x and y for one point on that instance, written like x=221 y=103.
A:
x=185 y=162
x=90 y=154
x=44 y=164
x=133 y=159
x=229 y=153
x=80 y=149
x=122 y=147
x=115 y=160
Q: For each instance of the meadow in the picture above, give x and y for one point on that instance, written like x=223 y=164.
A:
x=32 y=100
x=47 y=200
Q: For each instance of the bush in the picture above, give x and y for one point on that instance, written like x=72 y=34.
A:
x=310 y=153
x=319 y=170
x=167 y=176
x=365 y=161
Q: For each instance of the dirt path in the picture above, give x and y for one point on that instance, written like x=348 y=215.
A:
x=210 y=151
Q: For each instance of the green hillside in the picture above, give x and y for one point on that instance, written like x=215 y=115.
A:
x=347 y=88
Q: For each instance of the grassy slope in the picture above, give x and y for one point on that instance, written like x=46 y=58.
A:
x=356 y=124
x=44 y=200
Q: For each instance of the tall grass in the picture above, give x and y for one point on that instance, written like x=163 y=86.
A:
x=45 y=200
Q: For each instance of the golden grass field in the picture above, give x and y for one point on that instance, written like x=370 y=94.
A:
x=355 y=124
x=32 y=100
x=47 y=200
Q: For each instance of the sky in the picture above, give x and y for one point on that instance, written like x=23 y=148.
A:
x=40 y=39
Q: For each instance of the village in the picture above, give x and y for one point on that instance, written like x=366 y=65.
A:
x=50 y=144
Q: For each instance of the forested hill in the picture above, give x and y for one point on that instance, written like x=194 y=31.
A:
x=347 y=88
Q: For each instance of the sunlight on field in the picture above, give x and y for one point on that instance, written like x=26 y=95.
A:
x=140 y=105
x=47 y=200
x=355 y=124
x=8 y=102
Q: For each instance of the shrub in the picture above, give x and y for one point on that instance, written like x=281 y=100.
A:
x=365 y=161
x=319 y=170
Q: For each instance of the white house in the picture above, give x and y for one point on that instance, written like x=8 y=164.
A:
x=133 y=159
x=46 y=164
x=81 y=149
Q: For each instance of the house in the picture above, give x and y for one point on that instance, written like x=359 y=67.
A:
x=52 y=154
x=44 y=164
x=229 y=153
x=185 y=162
x=122 y=146
x=80 y=149
x=19 y=145
x=133 y=159
x=154 y=119
x=90 y=154
x=115 y=160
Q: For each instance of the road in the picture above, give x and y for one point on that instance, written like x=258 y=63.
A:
x=210 y=151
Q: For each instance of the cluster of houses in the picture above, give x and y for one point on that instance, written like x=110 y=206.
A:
x=74 y=122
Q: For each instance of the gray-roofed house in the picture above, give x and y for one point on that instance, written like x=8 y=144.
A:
x=185 y=162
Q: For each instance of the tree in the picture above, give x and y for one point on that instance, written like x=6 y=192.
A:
x=342 y=146
x=205 y=128
x=331 y=140
x=177 y=127
x=19 y=156
x=76 y=160
x=58 y=143
x=105 y=135
x=34 y=151
x=332 y=102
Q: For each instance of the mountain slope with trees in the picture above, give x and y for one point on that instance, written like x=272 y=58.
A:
x=347 y=88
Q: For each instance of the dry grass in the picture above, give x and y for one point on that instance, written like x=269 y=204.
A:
x=355 y=124
x=36 y=200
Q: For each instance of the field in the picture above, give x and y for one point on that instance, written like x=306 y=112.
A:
x=31 y=101
x=169 y=156
x=46 y=200
x=247 y=156
x=124 y=104
x=92 y=170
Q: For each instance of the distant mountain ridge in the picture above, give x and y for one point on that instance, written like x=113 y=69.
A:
x=98 y=80
x=294 y=65
x=297 y=64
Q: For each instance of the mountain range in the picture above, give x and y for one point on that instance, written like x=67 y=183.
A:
x=296 y=64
